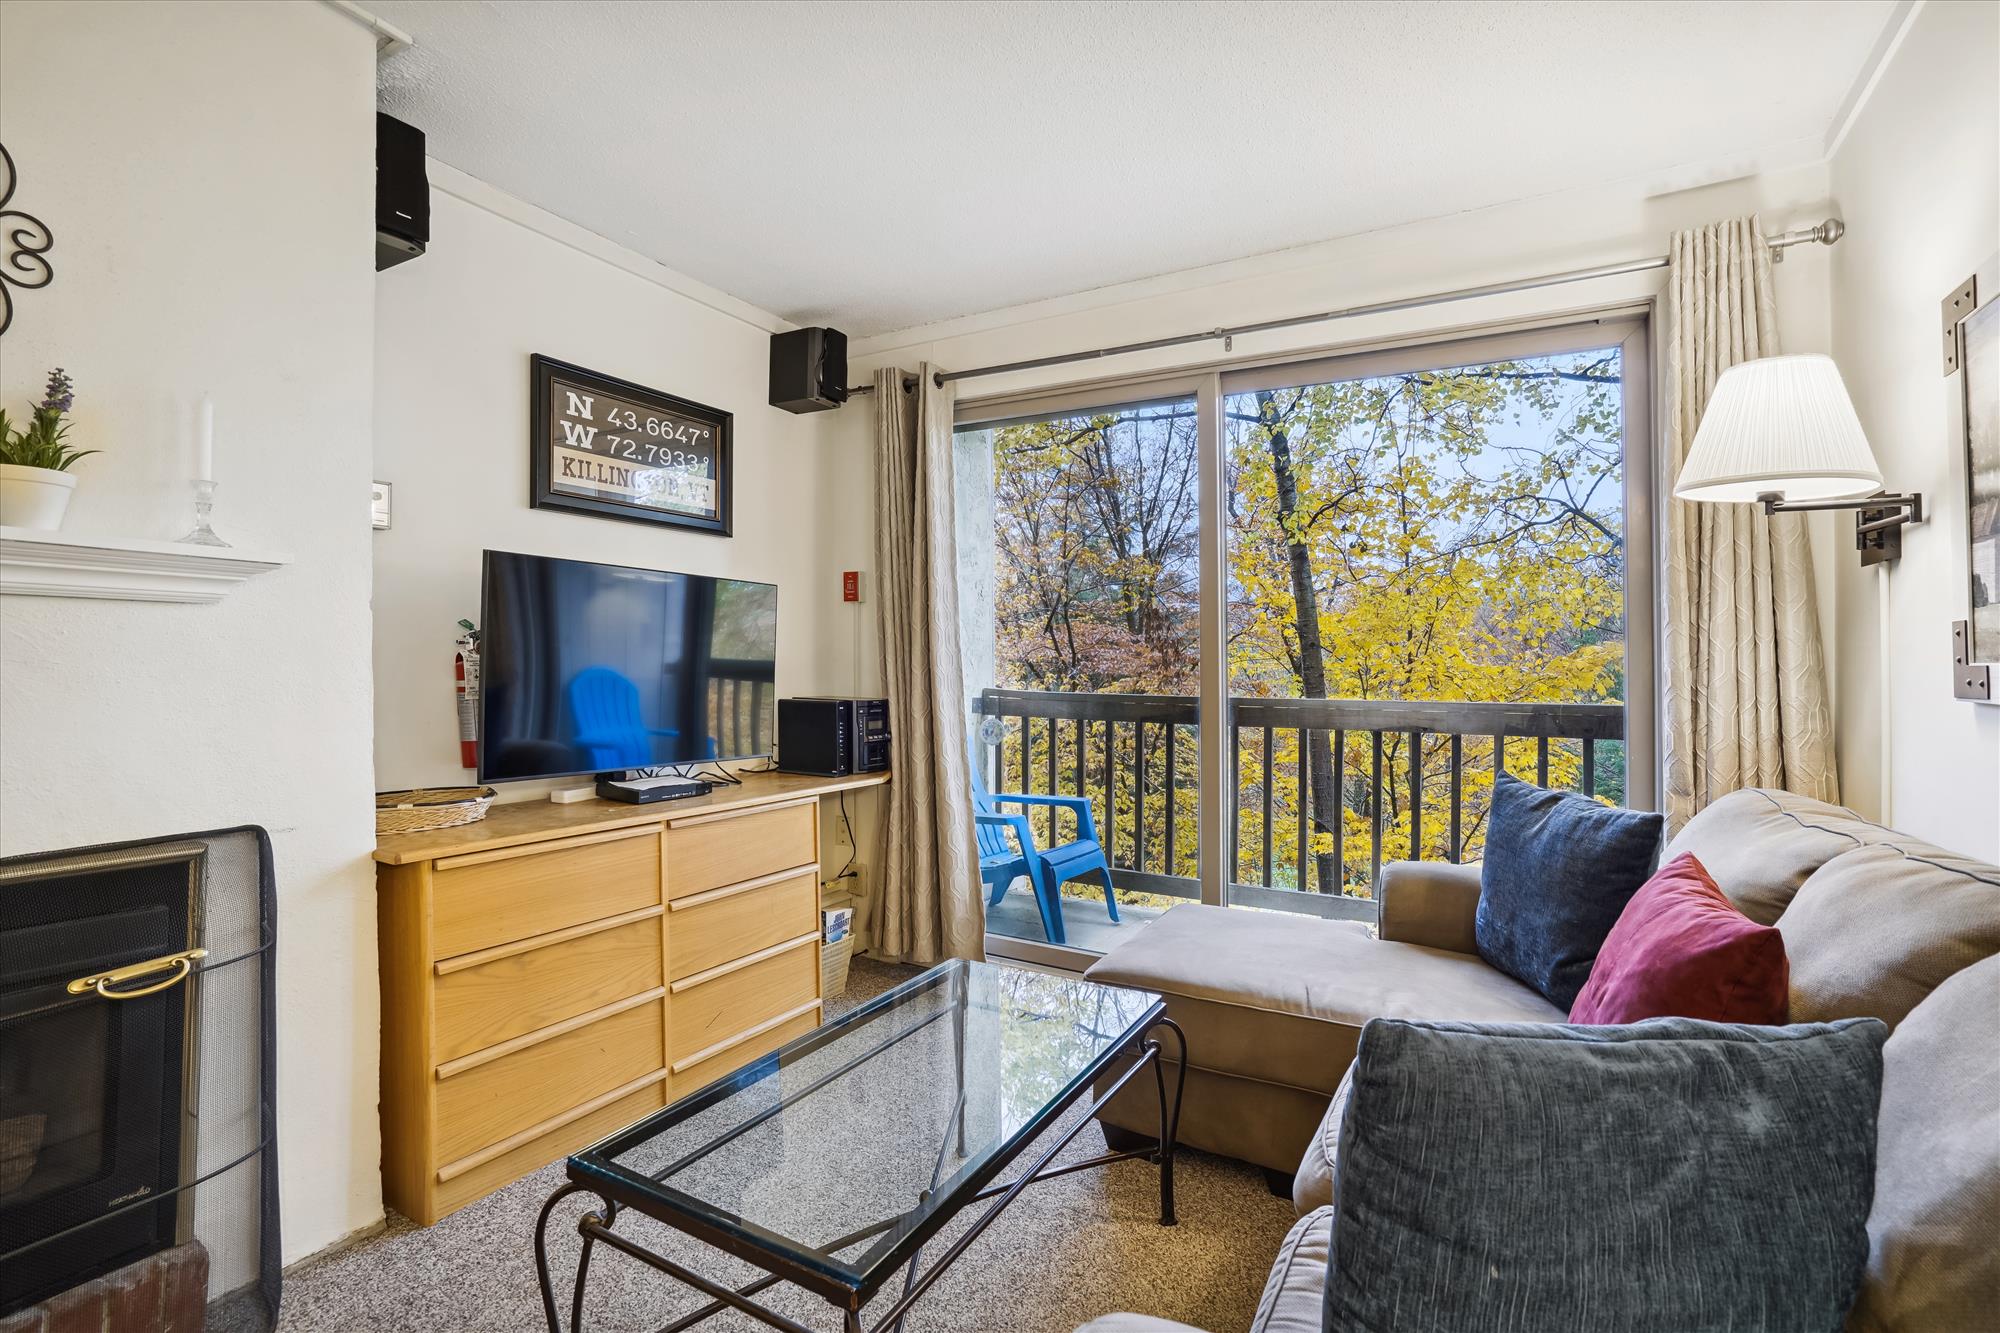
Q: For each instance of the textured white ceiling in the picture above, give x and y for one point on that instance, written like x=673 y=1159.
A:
x=876 y=165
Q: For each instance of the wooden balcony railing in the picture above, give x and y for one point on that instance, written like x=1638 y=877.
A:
x=741 y=705
x=1400 y=779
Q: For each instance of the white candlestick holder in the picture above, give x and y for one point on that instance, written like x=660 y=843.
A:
x=204 y=500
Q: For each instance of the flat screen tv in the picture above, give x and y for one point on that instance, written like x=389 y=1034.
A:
x=588 y=668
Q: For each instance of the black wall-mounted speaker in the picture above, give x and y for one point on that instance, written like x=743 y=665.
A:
x=808 y=369
x=402 y=193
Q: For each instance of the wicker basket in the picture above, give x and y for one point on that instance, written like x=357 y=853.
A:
x=834 y=958
x=430 y=807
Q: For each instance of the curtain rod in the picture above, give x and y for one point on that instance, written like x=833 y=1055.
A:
x=1826 y=233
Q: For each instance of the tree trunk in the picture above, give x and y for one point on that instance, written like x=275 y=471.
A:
x=1312 y=655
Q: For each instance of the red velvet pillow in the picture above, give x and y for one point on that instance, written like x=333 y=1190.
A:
x=1682 y=950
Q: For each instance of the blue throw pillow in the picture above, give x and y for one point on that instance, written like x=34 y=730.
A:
x=1671 y=1174
x=1557 y=871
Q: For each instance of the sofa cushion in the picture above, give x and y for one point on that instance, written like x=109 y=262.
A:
x=1295 y=1294
x=1558 y=870
x=1876 y=929
x=1682 y=950
x=1933 y=1262
x=1312 y=1183
x=1282 y=998
x=1668 y=1174
x=1428 y=902
x=1760 y=846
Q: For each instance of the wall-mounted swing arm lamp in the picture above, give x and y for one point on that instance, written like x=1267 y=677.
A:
x=1782 y=432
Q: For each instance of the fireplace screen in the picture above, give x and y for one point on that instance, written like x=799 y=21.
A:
x=136 y=1077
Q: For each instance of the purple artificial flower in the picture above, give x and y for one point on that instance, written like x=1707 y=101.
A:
x=61 y=392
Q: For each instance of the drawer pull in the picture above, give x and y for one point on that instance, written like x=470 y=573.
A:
x=738 y=964
x=446 y=966
x=452 y=1170
x=731 y=890
x=710 y=1052
x=540 y=1035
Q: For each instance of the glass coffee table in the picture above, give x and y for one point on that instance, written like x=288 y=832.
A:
x=833 y=1161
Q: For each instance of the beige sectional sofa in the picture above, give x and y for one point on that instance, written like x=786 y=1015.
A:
x=1875 y=924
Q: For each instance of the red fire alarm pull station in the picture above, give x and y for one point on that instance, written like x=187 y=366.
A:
x=850 y=585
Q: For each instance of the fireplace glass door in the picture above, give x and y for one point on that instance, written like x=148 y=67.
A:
x=96 y=1076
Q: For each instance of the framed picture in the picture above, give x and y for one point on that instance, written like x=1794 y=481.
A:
x=1981 y=359
x=605 y=446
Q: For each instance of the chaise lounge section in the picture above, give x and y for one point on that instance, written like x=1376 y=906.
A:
x=1273 y=1005
x=1875 y=925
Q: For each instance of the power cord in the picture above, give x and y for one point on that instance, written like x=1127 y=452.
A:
x=852 y=851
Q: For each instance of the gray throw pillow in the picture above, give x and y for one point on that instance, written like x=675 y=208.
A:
x=1557 y=871
x=1671 y=1174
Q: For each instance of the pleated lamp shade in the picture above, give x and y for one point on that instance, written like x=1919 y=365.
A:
x=1780 y=424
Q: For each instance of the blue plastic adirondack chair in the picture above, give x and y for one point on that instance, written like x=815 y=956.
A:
x=609 y=726
x=1000 y=865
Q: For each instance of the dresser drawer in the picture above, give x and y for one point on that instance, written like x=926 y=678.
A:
x=709 y=1013
x=490 y=898
x=469 y=1178
x=708 y=852
x=693 y=1078
x=709 y=929
x=481 y=1101
x=486 y=998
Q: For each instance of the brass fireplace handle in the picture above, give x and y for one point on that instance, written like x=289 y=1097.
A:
x=180 y=965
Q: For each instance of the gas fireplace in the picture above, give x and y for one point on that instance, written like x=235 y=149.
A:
x=135 y=1072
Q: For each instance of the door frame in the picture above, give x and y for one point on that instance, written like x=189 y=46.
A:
x=1626 y=326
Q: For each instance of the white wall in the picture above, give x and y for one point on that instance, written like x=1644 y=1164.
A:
x=455 y=329
x=1577 y=230
x=1918 y=182
x=207 y=170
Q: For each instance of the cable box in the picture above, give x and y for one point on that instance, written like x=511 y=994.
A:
x=644 y=791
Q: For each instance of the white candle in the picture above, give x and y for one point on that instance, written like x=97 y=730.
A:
x=205 y=465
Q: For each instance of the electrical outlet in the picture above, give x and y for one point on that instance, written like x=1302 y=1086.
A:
x=840 y=838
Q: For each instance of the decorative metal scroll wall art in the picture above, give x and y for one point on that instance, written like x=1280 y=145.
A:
x=24 y=241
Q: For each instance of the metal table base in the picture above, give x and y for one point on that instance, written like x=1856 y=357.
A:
x=595 y=1226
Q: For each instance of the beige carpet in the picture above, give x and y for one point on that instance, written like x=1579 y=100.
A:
x=1063 y=1253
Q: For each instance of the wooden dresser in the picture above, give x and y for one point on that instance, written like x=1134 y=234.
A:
x=554 y=972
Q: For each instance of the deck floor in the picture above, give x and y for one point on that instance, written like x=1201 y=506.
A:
x=1085 y=921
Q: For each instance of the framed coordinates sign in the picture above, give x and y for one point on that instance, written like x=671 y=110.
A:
x=598 y=445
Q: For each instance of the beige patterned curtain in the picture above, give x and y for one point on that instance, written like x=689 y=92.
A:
x=1744 y=669
x=928 y=906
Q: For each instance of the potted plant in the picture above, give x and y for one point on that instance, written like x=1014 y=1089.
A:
x=35 y=483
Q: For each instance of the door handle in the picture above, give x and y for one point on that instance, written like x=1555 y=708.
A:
x=177 y=966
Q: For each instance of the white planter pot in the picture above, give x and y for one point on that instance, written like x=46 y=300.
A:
x=34 y=497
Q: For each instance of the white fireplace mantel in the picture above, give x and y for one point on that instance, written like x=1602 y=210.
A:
x=55 y=564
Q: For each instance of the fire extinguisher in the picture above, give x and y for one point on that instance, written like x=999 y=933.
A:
x=467 y=671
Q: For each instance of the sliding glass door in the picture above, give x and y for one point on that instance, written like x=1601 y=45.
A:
x=1394 y=573
x=1428 y=585
x=1081 y=605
